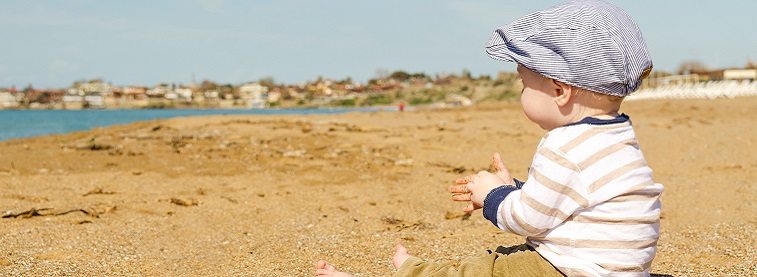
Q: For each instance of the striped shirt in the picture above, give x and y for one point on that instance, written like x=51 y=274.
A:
x=589 y=206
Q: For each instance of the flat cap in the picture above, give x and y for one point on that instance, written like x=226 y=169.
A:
x=589 y=44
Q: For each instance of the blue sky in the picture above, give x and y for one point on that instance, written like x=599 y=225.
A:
x=51 y=44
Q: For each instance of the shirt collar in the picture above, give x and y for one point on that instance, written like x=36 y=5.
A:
x=596 y=121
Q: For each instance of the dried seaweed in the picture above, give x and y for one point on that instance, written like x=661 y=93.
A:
x=93 y=211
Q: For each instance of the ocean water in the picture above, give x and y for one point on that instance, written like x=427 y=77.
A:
x=30 y=123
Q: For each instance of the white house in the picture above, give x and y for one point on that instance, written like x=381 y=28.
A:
x=134 y=92
x=95 y=100
x=96 y=87
x=184 y=94
x=159 y=90
x=740 y=74
x=253 y=94
x=8 y=100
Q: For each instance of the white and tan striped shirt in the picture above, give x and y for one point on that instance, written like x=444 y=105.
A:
x=589 y=206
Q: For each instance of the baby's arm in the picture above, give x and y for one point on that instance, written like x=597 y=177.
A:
x=551 y=195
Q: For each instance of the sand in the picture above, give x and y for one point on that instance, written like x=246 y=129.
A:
x=270 y=195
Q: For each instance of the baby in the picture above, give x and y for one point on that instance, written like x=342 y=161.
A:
x=589 y=206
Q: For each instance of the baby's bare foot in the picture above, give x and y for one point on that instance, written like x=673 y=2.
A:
x=323 y=269
x=400 y=256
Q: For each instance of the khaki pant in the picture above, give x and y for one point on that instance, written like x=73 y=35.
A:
x=519 y=260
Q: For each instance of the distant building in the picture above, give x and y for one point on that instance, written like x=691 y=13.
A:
x=94 y=101
x=253 y=94
x=740 y=74
x=135 y=93
x=211 y=94
x=708 y=75
x=158 y=91
x=273 y=96
x=672 y=80
x=96 y=87
x=184 y=94
x=9 y=99
x=73 y=100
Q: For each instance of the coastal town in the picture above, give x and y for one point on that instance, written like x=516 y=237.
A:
x=399 y=87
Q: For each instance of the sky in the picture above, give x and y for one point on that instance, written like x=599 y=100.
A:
x=51 y=44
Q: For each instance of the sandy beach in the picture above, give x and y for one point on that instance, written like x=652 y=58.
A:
x=270 y=195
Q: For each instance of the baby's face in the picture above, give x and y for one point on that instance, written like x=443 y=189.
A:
x=537 y=99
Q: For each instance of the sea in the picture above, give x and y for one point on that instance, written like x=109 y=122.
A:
x=31 y=123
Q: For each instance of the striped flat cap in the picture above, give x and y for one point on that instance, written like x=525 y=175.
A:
x=589 y=44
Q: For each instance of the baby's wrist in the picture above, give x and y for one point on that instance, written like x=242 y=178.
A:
x=492 y=201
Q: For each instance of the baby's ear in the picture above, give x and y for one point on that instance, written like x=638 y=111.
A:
x=562 y=92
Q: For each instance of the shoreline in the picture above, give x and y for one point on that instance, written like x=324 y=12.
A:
x=36 y=125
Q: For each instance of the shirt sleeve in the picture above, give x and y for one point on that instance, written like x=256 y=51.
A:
x=553 y=191
x=495 y=197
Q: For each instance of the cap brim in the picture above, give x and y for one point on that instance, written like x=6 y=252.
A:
x=538 y=58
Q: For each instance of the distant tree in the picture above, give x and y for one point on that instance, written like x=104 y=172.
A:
x=227 y=88
x=267 y=81
x=419 y=75
x=689 y=67
x=400 y=76
x=208 y=86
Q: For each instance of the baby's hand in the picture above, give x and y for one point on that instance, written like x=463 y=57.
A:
x=476 y=187
x=480 y=186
